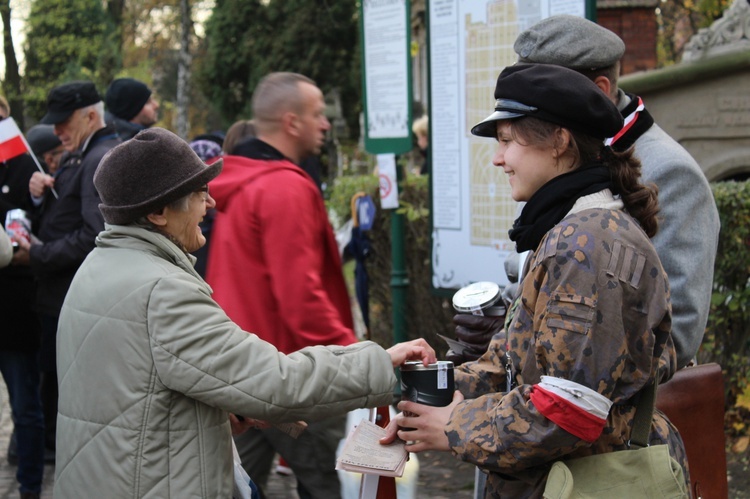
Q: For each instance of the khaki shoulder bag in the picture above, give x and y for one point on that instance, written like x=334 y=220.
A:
x=642 y=471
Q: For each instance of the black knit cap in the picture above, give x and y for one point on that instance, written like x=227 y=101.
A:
x=554 y=94
x=42 y=139
x=146 y=173
x=63 y=100
x=126 y=97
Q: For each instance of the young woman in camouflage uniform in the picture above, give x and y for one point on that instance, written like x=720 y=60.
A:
x=591 y=326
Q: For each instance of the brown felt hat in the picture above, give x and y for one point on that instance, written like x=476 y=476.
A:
x=146 y=173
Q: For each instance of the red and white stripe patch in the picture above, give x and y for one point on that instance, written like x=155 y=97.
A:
x=12 y=143
x=577 y=409
x=628 y=124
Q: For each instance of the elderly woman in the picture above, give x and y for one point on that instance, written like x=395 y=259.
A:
x=591 y=328
x=151 y=368
x=6 y=249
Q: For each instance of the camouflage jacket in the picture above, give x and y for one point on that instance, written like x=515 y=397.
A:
x=594 y=311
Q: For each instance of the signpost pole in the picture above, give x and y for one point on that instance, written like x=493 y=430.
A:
x=399 y=277
x=386 y=37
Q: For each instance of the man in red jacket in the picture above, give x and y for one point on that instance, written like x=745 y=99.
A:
x=274 y=263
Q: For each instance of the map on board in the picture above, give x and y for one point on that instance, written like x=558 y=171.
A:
x=470 y=43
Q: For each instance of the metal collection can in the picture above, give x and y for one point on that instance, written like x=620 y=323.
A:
x=479 y=298
x=430 y=385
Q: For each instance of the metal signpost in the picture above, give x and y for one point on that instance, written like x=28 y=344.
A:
x=385 y=30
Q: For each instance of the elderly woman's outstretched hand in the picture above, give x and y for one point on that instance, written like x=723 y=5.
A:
x=412 y=350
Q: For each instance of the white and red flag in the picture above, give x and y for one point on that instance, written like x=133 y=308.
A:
x=12 y=142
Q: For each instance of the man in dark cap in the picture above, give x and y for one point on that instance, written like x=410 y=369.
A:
x=131 y=107
x=46 y=146
x=70 y=218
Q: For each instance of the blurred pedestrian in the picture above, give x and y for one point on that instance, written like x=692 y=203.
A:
x=239 y=132
x=69 y=217
x=19 y=335
x=131 y=107
x=207 y=150
x=151 y=367
x=46 y=146
x=421 y=130
x=280 y=276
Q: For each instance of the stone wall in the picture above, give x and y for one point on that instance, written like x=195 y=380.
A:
x=704 y=101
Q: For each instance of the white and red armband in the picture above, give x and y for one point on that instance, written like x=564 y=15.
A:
x=577 y=409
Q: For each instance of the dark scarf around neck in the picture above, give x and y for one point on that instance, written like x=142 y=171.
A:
x=553 y=201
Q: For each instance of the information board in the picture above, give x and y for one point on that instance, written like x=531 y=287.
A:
x=385 y=31
x=470 y=42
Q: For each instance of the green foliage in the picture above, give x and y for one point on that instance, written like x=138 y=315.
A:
x=246 y=39
x=64 y=41
x=727 y=339
x=344 y=188
x=237 y=38
x=679 y=20
x=427 y=314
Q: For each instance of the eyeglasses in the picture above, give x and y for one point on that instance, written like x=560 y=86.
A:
x=204 y=191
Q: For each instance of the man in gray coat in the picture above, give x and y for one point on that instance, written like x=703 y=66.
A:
x=689 y=221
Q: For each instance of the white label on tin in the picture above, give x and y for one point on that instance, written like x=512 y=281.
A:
x=442 y=377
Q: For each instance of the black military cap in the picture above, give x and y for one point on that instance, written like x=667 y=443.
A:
x=64 y=99
x=570 y=41
x=554 y=94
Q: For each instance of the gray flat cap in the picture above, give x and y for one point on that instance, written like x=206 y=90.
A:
x=569 y=41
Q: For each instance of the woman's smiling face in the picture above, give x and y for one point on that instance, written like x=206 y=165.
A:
x=528 y=166
x=183 y=225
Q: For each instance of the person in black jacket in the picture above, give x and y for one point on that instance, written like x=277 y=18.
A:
x=69 y=217
x=131 y=107
x=19 y=336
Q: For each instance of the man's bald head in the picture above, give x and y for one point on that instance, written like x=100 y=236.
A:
x=276 y=94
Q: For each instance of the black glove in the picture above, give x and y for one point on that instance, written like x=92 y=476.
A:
x=474 y=332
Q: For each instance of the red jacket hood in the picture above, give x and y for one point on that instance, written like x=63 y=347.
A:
x=238 y=171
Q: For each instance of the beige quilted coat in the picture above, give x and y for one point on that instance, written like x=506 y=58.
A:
x=149 y=367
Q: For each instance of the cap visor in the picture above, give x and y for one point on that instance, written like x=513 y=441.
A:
x=56 y=117
x=487 y=127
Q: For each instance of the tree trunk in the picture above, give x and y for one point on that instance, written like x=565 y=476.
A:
x=183 y=71
x=12 y=80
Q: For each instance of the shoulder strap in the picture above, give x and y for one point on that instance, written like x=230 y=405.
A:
x=644 y=415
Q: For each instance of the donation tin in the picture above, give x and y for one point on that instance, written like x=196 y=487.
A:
x=430 y=385
x=479 y=298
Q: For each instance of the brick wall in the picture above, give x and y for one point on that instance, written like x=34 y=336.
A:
x=637 y=27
